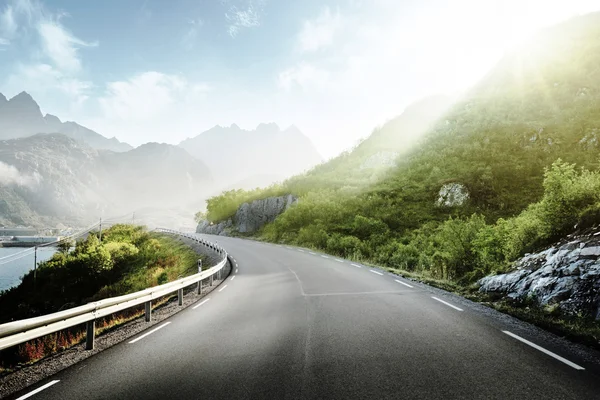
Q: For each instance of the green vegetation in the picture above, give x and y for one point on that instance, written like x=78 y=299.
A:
x=127 y=260
x=512 y=142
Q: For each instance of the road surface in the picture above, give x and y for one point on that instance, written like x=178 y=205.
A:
x=290 y=323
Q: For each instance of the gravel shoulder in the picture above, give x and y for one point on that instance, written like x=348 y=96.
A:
x=46 y=367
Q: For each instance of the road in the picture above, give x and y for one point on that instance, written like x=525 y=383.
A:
x=294 y=324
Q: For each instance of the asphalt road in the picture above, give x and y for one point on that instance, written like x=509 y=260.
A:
x=294 y=324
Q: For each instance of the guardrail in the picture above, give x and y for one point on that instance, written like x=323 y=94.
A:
x=13 y=333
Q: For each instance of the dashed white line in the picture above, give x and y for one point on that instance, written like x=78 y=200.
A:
x=356 y=265
x=375 y=272
x=300 y=250
x=233 y=277
x=150 y=333
x=236 y=270
x=543 y=350
x=324 y=256
x=402 y=283
x=204 y=301
x=46 y=386
x=223 y=288
x=448 y=304
x=338 y=260
x=314 y=254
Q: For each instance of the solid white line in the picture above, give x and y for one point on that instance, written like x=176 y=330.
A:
x=448 y=304
x=46 y=386
x=338 y=260
x=149 y=333
x=223 y=288
x=324 y=256
x=402 y=283
x=193 y=308
x=551 y=354
x=233 y=277
x=314 y=254
x=375 y=272
x=355 y=265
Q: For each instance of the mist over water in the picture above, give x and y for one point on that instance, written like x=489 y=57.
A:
x=11 y=273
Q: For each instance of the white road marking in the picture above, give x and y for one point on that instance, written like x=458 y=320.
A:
x=338 y=260
x=324 y=256
x=356 y=265
x=548 y=352
x=448 y=304
x=314 y=254
x=223 y=288
x=300 y=250
x=289 y=248
x=236 y=270
x=46 y=386
x=233 y=277
x=402 y=283
x=204 y=301
x=376 y=272
x=149 y=333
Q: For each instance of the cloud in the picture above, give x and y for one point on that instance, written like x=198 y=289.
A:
x=42 y=78
x=245 y=17
x=304 y=75
x=189 y=38
x=319 y=32
x=9 y=175
x=8 y=25
x=61 y=46
x=142 y=96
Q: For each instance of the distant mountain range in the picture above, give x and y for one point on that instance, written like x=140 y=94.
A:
x=249 y=159
x=53 y=171
x=21 y=117
x=50 y=178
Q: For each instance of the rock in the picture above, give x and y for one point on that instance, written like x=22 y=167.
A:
x=566 y=274
x=452 y=195
x=250 y=217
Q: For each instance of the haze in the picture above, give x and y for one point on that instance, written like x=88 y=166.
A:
x=151 y=71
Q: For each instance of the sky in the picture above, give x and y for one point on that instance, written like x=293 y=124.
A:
x=163 y=71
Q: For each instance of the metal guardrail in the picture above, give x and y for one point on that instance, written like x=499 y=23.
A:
x=16 y=332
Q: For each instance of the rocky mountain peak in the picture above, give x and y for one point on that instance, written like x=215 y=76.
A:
x=3 y=99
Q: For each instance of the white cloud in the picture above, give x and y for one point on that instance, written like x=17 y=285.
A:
x=143 y=96
x=11 y=175
x=304 y=75
x=8 y=25
x=188 y=40
x=61 y=46
x=247 y=16
x=319 y=32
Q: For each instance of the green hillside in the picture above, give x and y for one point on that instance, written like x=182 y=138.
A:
x=499 y=142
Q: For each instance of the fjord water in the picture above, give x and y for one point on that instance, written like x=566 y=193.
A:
x=11 y=272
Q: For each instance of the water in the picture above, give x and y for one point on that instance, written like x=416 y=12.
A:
x=11 y=272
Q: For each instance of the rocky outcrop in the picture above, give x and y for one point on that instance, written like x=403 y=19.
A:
x=452 y=195
x=566 y=275
x=249 y=217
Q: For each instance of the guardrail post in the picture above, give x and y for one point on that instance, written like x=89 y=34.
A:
x=148 y=307
x=200 y=286
x=180 y=297
x=90 y=335
x=211 y=280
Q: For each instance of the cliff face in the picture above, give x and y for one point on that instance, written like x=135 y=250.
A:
x=566 y=275
x=250 y=217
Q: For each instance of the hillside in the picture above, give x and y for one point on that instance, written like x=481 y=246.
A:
x=50 y=178
x=262 y=156
x=21 y=117
x=482 y=162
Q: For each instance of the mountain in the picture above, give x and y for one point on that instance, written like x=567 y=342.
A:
x=50 y=178
x=235 y=155
x=482 y=185
x=21 y=117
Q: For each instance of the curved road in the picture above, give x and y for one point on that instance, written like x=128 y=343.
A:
x=293 y=324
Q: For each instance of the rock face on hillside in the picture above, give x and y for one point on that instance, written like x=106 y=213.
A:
x=250 y=217
x=566 y=275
